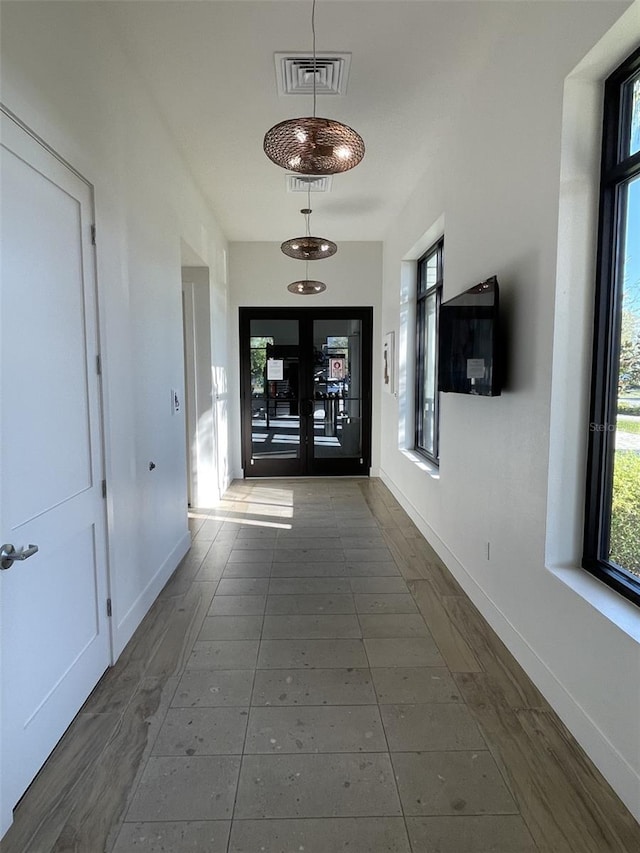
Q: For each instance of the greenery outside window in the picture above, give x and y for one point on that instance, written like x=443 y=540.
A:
x=612 y=519
x=429 y=295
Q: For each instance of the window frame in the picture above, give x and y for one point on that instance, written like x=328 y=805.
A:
x=422 y=295
x=617 y=170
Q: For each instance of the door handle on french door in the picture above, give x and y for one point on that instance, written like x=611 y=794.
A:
x=8 y=555
x=306 y=408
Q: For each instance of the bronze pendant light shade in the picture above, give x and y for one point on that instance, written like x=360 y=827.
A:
x=306 y=287
x=314 y=146
x=309 y=248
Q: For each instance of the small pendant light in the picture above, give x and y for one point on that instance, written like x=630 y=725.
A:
x=308 y=248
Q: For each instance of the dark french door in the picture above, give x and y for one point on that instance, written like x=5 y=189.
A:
x=306 y=391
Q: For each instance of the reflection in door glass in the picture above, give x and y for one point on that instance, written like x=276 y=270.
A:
x=337 y=416
x=275 y=414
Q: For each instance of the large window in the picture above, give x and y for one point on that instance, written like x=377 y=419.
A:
x=429 y=293
x=612 y=522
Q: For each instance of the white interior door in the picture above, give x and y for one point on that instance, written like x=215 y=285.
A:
x=54 y=628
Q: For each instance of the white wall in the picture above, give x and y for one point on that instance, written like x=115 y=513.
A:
x=259 y=274
x=494 y=187
x=64 y=75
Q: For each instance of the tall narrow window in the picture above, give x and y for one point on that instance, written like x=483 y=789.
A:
x=612 y=521
x=429 y=294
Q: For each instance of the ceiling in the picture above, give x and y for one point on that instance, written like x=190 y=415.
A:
x=210 y=68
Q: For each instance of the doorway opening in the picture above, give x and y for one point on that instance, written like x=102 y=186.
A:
x=306 y=391
x=202 y=488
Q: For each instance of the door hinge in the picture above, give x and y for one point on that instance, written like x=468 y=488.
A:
x=104 y=488
x=98 y=365
x=93 y=235
x=108 y=607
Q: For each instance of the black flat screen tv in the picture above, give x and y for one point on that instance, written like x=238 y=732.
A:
x=469 y=342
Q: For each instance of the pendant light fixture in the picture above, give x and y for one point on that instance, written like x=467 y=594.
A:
x=306 y=287
x=308 y=248
x=312 y=145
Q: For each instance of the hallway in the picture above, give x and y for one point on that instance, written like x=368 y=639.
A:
x=313 y=679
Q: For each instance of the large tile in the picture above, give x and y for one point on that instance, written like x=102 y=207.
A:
x=451 y=783
x=348 y=512
x=231 y=628
x=238 y=605
x=471 y=834
x=405 y=651
x=372 y=541
x=311 y=512
x=247 y=570
x=346 y=785
x=309 y=586
x=198 y=787
x=203 y=689
x=382 y=569
x=242 y=586
x=265 y=546
x=174 y=837
x=310 y=604
x=393 y=625
x=226 y=536
x=347 y=525
x=310 y=627
x=382 y=603
x=409 y=685
x=330 y=534
x=368 y=555
x=317 y=835
x=313 y=687
x=224 y=654
x=439 y=726
x=209 y=572
x=384 y=584
x=202 y=731
x=245 y=555
x=208 y=530
x=305 y=555
x=312 y=540
x=313 y=654
x=315 y=569
x=338 y=728
x=264 y=534
x=217 y=556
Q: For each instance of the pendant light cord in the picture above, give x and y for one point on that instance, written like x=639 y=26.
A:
x=313 y=33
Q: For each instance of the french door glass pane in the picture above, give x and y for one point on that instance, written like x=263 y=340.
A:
x=624 y=544
x=275 y=402
x=337 y=388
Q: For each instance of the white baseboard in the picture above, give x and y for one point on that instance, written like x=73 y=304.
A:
x=614 y=767
x=125 y=629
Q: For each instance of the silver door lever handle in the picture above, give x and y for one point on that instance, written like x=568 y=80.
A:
x=8 y=555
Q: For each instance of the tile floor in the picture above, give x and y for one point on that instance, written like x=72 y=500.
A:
x=313 y=680
x=315 y=712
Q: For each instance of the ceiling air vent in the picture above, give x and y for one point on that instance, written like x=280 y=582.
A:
x=294 y=73
x=306 y=183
